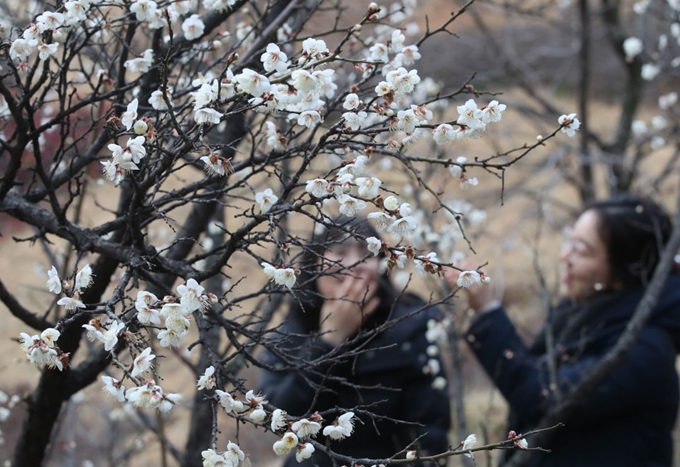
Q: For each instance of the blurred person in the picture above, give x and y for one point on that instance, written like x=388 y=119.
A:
x=379 y=358
x=607 y=260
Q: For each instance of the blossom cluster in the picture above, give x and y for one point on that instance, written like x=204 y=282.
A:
x=42 y=350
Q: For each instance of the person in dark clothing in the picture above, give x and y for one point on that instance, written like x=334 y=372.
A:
x=365 y=350
x=627 y=421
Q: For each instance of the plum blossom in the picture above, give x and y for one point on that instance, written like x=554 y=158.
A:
x=266 y=199
x=274 y=137
x=71 y=303
x=228 y=403
x=252 y=82
x=470 y=115
x=391 y=203
x=285 y=444
x=341 y=428
x=492 y=113
x=305 y=428
x=140 y=64
x=143 y=304
x=53 y=281
x=349 y=206
x=379 y=53
x=42 y=350
x=171 y=337
x=278 y=419
x=352 y=102
x=142 y=363
x=234 y=454
x=469 y=443
x=570 y=124
x=45 y=50
x=408 y=55
x=206 y=116
x=314 y=48
x=457 y=169
x=143 y=9
x=354 y=120
x=304 y=451
x=382 y=220
x=403 y=227
x=22 y=49
x=650 y=71
x=285 y=276
x=129 y=117
x=369 y=187
x=157 y=102
x=216 y=165
x=193 y=27
x=468 y=279
x=84 y=278
x=49 y=20
x=632 y=47
x=317 y=187
x=403 y=81
x=424 y=264
x=308 y=118
x=113 y=388
x=374 y=245
x=190 y=295
x=207 y=379
x=274 y=59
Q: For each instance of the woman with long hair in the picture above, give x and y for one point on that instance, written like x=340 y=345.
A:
x=364 y=348
x=607 y=260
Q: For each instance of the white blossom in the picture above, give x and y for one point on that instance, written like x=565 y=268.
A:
x=71 y=303
x=570 y=124
x=285 y=444
x=349 y=206
x=470 y=115
x=140 y=64
x=157 y=102
x=274 y=59
x=53 y=281
x=354 y=120
x=369 y=187
x=352 y=102
x=374 y=245
x=45 y=50
x=207 y=379
x=304 y=451
x=469 y=443
x=193 y=27
x=228 y=403
x=84 y=277
x=468 y=279
x=252 y=82
x=403 y=227
x=114 y=388
x=305 y=428
x=632 y=47
x=206 y=116
x=142 y=363
x=317 y=187
x=266 y=199
x=492 y=113
x=234 y=454
x=278 y=419
x=190 y=295
x=129 y=117
x=650 y=71
x=285 y=276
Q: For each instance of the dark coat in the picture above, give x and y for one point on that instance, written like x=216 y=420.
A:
x=628 y=420
x=390 y=371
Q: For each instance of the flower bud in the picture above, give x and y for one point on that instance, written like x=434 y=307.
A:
x=140 y=127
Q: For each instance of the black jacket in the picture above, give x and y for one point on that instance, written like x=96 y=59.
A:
x=389 y=371
x=628 y=420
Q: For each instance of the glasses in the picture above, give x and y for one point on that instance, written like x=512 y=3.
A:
x=571 y=245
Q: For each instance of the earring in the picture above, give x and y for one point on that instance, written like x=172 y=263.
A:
x=598 y=286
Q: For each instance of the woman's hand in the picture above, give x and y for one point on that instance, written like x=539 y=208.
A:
x=478 y=296
x=345 y=308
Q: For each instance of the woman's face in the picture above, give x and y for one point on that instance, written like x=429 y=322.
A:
x=585 y=261
x=349 y=260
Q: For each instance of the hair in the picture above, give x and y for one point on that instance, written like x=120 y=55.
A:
x=635 y=230
x=305 y=306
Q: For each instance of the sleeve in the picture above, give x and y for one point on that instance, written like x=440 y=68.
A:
x=523 y=378
x=294 y=390
x=426 y=403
